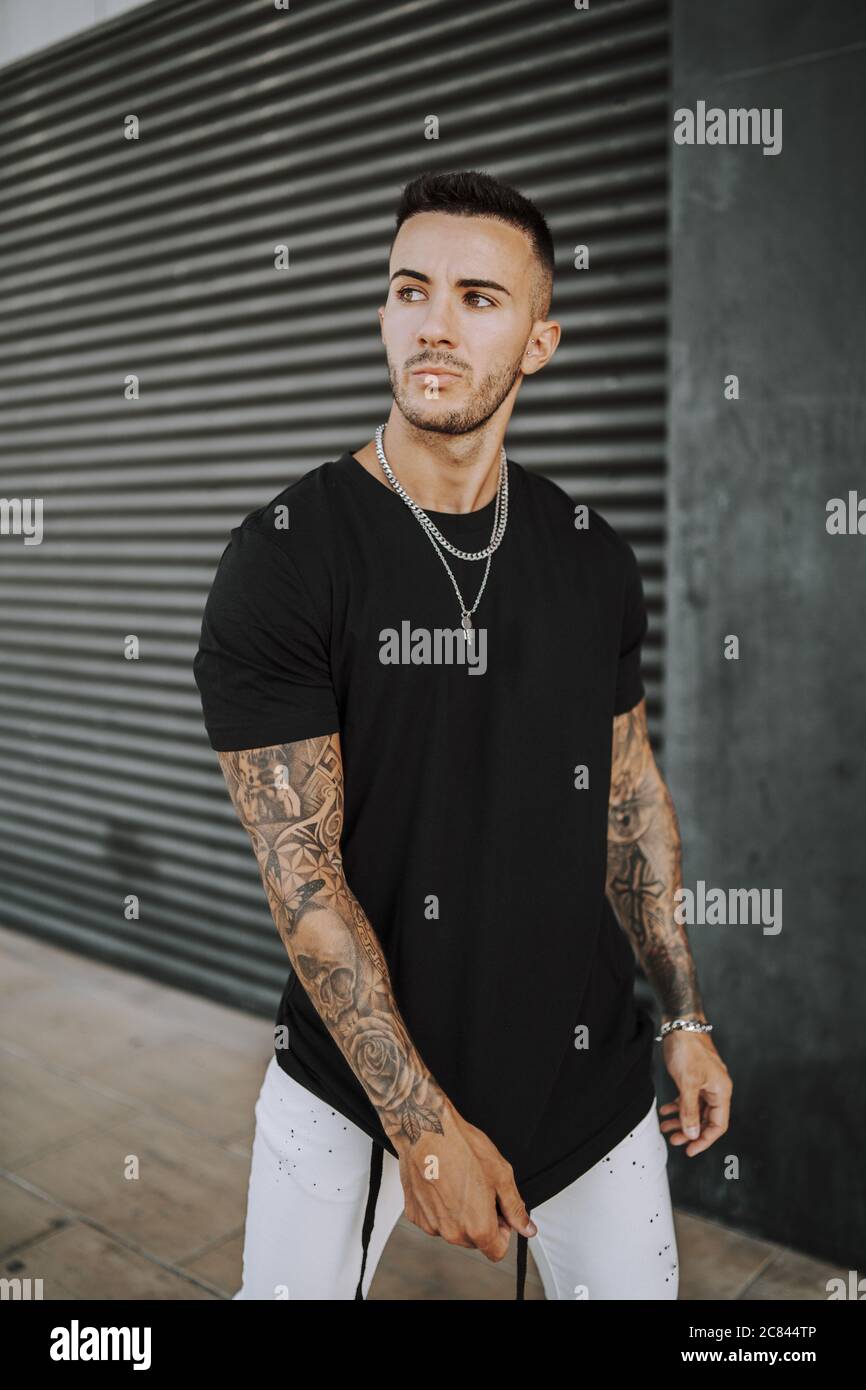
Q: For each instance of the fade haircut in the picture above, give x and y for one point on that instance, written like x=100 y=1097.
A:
x=472 y=193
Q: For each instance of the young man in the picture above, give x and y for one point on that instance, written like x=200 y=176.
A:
x=420 y=666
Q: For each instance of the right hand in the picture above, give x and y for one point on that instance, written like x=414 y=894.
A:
x=460 y=1205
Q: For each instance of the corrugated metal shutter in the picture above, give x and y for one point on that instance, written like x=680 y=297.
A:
x=155 y=257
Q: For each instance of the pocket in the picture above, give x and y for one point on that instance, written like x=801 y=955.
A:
x=322 y=1152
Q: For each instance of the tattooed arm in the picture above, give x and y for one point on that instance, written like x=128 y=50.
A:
x=644 y=857
x=289 y=799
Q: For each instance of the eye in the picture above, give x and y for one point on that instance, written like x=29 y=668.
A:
x=470 y=295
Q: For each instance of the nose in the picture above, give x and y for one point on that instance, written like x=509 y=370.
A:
x=437 y=328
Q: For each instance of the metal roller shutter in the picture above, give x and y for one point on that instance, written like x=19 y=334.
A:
x=155 y=257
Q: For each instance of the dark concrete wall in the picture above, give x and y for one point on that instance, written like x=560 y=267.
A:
x=766 y=755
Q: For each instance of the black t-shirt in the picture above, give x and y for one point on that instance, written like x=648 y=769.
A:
x=470 y=837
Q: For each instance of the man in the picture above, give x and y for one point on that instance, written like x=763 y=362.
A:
x=420 y=667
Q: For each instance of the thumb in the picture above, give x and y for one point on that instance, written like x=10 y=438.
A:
x=690 y=1114
x=514 y=1209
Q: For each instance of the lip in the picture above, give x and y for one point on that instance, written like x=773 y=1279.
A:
x=436 y=371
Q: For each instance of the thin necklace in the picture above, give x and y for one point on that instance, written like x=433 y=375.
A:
x=434 y=535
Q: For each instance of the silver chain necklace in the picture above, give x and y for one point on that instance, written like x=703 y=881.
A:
x=436 y=538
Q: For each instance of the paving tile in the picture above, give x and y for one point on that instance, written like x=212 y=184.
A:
x=222 y=1266
x=790 y=1275
x=242 y=1141
x=82 y=1263
x=415 y=1266
x=205 y=1017
x=211 y=1089
x=76 y=1027
x=190 y=1193
x=716 y=1262
x=17 y=977
x=41 y=1110
x=25 y=1217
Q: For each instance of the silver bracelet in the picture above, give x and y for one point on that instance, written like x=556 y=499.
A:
x=688 y=1025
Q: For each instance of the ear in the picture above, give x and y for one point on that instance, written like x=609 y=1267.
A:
x=541 y=345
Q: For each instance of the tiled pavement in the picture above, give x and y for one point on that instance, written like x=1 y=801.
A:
x=90 y=1053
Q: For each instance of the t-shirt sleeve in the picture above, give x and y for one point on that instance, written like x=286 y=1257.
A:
x=629 y=685
x=262 y=666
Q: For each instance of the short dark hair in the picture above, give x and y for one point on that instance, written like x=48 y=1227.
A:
x=473 y=193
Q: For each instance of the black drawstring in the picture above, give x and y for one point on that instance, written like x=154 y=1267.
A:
x=370 y=1216
x=521 y=1262
x=370 y=1213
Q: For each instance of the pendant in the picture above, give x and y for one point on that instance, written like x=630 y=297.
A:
x=467 y=626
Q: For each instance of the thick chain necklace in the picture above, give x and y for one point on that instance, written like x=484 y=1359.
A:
x=436 y=538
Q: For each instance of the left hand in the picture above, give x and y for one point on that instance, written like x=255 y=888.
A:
x=704 y=1085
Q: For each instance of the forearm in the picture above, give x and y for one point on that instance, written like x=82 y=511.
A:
x=339 y=962
x=290 y=803
x=644 y=870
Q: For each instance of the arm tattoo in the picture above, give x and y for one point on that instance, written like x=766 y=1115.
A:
x=289 y=799
x=644 y=855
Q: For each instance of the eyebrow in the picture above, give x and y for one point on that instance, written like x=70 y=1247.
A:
x=461 y=284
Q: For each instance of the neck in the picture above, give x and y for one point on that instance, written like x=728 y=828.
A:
x=437 y=475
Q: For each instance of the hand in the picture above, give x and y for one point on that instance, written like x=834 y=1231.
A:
x=460 y=1204
x=704 y=1086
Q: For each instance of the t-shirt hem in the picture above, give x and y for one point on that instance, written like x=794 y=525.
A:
x=540 y=1187
x=293 y=1068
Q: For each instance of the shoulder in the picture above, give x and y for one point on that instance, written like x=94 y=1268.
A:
x=591 y=530
x=301 y=509
x=294 y=529
x=278 y=556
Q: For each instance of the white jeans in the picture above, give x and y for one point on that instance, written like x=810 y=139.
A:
x=609 y=1235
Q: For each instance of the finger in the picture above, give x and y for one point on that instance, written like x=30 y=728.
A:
x=455 y=1235
x=709 y=1135
x=672 y=1125
x=429 y=1222
x=690 y=1111
x=495 y=1246
x=714 y=1122
x=716 y=1115
x=671 y=1110
x=513 y=1208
